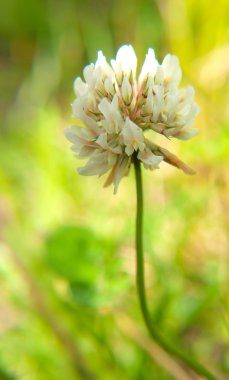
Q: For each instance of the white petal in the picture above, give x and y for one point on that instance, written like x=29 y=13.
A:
x=83 y=140
x=102 y=63
x=109 y=86
x=125 y=63
x=171 y=131
x=113 y=120
x=80 y=87
x=105 y=107
x=171 y=68
x=150 y=160
x=98 y=164
x=133 y=137
x=83 y=152
x=170 y=105
x=102 y=69
x=190 y=93
x=149 y=67
x=186 y=133
x=78 y=112
x=126 y=90
x=88 y=73
x=93 y=169
x=71 y=135
x=102 y=141
x=126 y=55
x=190 y=118
x=159 y=76
x=157 y=102
x=121 y=170
x=75 y=133
x=148 y=106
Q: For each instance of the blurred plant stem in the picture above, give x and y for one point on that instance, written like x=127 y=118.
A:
x=78 y=363
x=173 y=350
x=130 y=329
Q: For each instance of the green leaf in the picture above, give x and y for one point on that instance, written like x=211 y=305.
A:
x=5 y=375
x=84 y=294
x=74 y=253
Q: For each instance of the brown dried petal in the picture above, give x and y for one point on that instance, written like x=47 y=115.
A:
x=170 y=158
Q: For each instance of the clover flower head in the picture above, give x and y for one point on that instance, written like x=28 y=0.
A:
x=116 y=108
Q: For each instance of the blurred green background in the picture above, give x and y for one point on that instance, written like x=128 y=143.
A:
x=68 y=304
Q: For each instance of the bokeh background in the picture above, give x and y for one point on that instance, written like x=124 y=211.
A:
x=68 y=305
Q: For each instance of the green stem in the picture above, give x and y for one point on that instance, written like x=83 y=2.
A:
x=174 y=351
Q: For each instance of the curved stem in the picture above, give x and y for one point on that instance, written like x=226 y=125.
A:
x=174 y=351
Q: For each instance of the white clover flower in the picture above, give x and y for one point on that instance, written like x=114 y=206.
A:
x=116 y=108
